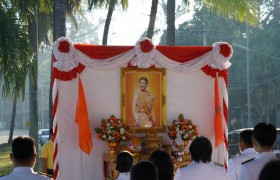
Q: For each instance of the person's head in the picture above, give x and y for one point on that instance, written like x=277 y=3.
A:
x=245 y=139
x=164 y=164
x=264 y=137
x=201 y=150
x=124 y=161
x=144 y=170
x=271 y=171
x=23 y=151
x=143 y=83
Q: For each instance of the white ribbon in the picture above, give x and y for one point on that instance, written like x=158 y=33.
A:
x=65 y=61
x=68 y=61
x=142 y=59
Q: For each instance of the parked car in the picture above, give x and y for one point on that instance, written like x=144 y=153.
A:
x=233 y=140
x=44 y=135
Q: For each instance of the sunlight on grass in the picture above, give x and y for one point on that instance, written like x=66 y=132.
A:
x=5 y=162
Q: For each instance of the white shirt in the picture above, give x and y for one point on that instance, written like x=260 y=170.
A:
x=251 y=170
x=235 y=162
x=201 y=171
x=124 y=176
x=24 y=173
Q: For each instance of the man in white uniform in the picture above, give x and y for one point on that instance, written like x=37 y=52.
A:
x=247 y=152
x=124 y=162
x=201 y=167
x=24 y=156
x=264 y=136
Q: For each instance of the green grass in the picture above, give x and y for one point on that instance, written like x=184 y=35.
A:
x=6 y=165
x=5 y=162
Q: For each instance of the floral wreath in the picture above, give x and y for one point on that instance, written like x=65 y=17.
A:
x=112 y=130
x=64 y=52
x=183 y=128
x=145 y=51
x=222 y=54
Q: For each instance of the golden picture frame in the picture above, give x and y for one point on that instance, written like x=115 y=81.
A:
x=143 y=99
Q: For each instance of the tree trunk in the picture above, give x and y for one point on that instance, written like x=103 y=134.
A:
x=107 y=22
x=266 y=117
x=33 y=84
x=59 y=18
x=171 y=22
x=12 y=126
x=59 y=30
x=153 y=14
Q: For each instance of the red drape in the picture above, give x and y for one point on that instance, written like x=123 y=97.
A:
x=183 y=53
x=177 y=53
x=102 y=52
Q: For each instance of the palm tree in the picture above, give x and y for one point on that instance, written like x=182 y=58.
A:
x=171 y=22
x=242 y=10
x=30 y=13
x=111 y=6
x=59 y=30
x=15 y=55
x=152 y=21
x=61 y=8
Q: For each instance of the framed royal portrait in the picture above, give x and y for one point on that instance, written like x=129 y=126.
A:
x=143 y=102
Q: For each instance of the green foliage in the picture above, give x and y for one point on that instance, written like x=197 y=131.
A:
x=241 y=10
x=264 y=58
x=26 y=10
x=15 y=53
x=216 y=27
x=101 y=3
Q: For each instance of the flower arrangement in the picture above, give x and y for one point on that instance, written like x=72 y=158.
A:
x=112 y=130
x=183 y=128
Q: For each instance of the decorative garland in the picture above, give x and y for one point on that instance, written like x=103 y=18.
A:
x=145 y=51
x=146 y=54
x=222 y=54
x=64 y=52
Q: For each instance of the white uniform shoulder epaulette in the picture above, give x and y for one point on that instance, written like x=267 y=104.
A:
x=248 y=161
x=219 y=164
x=234 y=156
x=44 y=174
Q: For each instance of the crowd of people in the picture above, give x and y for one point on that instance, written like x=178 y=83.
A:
x=255 y=162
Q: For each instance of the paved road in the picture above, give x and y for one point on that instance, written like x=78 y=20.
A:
x=4 y=135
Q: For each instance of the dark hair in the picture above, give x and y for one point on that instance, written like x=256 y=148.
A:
x=51 y=131
x=144 y=170
x=164 y=164
x=246 y=137
x=143 y=78
x=23 y=148
x=201 y=149
x=270 y=171
x=124 y=161
x=265 y=134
